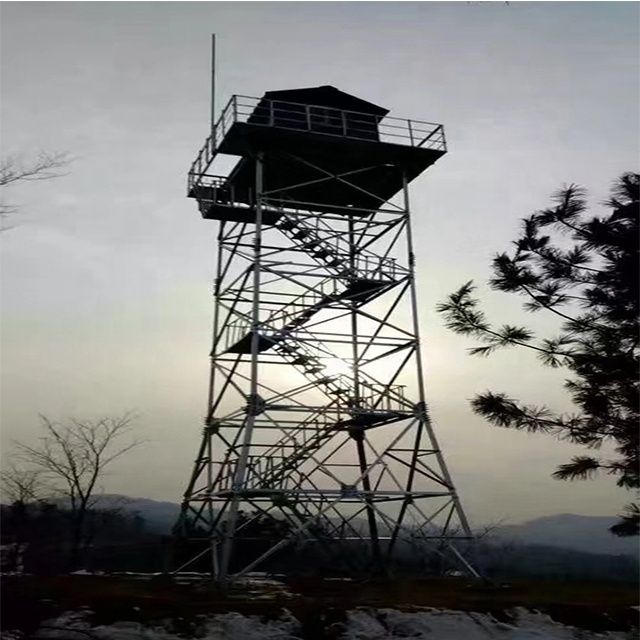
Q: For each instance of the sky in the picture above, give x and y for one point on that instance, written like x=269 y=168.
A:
x=106 y=273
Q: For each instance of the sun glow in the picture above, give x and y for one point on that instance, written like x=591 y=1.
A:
x=336 y=367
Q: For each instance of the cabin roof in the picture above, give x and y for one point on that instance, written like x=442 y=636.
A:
x=327 y=96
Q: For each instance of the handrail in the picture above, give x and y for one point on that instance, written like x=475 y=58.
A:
x=239 y=109
x=366 y=263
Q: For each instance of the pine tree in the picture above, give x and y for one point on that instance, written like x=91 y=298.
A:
x=585 y=271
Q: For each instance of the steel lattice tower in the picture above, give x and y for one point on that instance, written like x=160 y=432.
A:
x=316 y=412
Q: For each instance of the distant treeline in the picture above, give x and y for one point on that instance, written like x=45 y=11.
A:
x=35 y=539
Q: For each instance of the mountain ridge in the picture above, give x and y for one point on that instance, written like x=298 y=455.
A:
x=563 y=530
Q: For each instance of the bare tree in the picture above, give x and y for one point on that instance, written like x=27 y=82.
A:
x=71 y=458
x=13 y=169
x=21 y=485
x=22 y=489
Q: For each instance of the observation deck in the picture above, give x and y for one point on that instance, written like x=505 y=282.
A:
x=320 y=158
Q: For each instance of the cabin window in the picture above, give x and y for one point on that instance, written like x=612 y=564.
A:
x=320 y=116
x=325 y=119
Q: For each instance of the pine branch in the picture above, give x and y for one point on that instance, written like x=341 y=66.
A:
x=629 y=524
x=512 y=277
x=565 y=261
x=580 y=468
x=462 y=316
x=502 y=411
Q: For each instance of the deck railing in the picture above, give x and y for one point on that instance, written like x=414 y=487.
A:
x=316 y=119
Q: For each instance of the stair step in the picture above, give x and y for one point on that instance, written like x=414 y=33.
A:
x=286 y=348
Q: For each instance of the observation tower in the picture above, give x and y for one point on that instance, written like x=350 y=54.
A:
x=317 y=439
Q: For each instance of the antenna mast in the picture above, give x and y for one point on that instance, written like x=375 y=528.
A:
x=213 y=83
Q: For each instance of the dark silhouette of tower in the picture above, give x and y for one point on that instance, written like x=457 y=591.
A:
x=316 y=421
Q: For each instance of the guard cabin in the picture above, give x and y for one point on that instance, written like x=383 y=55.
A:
x=306 y=135
x=321 y=110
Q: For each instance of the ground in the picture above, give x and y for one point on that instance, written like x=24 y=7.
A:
x=320 y=607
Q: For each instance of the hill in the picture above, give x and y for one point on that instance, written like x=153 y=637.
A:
x=589 y=534
x=580 y=533
x=159 y=516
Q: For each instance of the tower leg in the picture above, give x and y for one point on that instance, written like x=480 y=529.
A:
x=238 y=484
x=376 y=556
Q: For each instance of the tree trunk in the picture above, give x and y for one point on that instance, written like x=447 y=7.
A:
x=76 y=538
